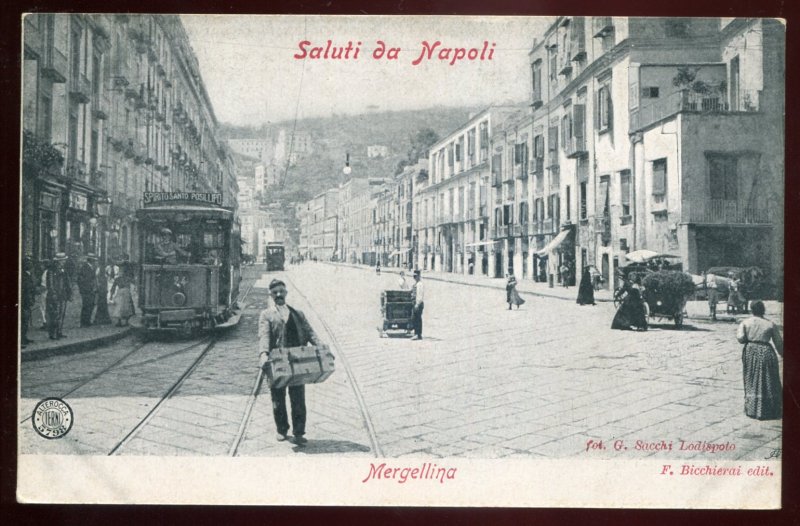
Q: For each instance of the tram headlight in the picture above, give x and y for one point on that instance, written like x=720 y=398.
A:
x=179 y=299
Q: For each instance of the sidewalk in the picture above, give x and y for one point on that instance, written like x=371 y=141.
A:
x=77 y=338
x=526 y=286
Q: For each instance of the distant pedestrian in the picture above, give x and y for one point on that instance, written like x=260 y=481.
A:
x=378 y=268
x=59 y=292
x=419 y=304
x=87 y=287
x=402 y=284
x=762 y=382
x=42 y=303
x=586 y=289
x=27 y=299
x=101 y=316
x=710 y=283
x=736 y=302
x=281 y=326
x=121 y=298
x=512 y=296
x=564 y=271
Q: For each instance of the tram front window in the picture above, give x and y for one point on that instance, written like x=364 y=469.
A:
x=195 y=246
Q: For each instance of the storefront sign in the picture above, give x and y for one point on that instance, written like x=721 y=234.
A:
x=150 y=198
x=78 y=201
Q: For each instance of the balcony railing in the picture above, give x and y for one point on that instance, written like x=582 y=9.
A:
x=575 y=147
x=521 y=171
x=721 y=211
x=497 y=180
x=690 y=101
x=537 y=99
x=547 y=225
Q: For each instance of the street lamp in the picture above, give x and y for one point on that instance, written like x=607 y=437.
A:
x=347 y=170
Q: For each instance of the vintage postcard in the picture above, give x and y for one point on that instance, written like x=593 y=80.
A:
x=402 y=260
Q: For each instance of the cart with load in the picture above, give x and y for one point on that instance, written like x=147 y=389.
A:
x=666 y=292
x=397 y=312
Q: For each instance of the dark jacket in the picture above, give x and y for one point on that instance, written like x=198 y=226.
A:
x=272 y=329
x=58 y=286
x=87 y=280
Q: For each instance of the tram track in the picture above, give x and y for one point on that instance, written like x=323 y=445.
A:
x=175 y=387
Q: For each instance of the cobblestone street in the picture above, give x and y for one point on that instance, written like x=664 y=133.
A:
x=539 y=382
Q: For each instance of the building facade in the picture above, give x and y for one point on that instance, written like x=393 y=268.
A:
x=113 y=106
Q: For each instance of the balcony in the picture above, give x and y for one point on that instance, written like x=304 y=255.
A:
x=521 y=171
x=497 y=181
x=501 y=232
x=80 y=88
x=690 y=101
x=54 y=65
x=566 y=64
x=536 y=228
x=602 y=26
x=101 y=106
x=537 y=99
x=724 y=212
x=547 y=225
x=537 y=166
x=575 y=147
x=483 y=211
x=422 y=176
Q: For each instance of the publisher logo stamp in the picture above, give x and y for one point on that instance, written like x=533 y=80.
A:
x=52 y=418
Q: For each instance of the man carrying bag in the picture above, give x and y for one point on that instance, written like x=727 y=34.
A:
x=279 y=327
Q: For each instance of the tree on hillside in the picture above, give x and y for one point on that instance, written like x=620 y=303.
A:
x=420 y=141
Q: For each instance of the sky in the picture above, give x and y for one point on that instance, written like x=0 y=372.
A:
x=252 y=76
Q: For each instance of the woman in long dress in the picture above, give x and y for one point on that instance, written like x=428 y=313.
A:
x=121 y=300
x=512 y=296
x=762 y=382
x=586 y=289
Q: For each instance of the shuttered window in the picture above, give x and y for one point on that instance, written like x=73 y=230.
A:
x=660 y=177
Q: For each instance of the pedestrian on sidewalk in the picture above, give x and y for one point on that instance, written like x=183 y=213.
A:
x=564 y=271
x=27 y=300
x=102 y=316
x=586 y=289
x=281 y=326
x=762 y=381
x=59 y=292
x=419 y=304
x=378 y=268
x=120 y=296
x=42 y=290
x=87 y=287
x=512 y=296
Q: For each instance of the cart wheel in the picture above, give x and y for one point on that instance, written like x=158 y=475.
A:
x=679 y=320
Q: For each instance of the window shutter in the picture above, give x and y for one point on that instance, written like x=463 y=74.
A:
x=610 y=112
x=579 y=114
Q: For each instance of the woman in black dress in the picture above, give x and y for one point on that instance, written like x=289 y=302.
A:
x=585 y=289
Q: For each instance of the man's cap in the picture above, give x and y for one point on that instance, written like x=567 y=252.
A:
x=60 y=256
x=91 y=256
x=166 y=230
x=276 y=283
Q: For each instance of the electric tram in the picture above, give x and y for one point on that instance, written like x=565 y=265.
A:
x=275 y=256
x=189 y=265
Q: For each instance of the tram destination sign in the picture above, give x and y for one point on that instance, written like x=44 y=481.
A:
x=152 y=198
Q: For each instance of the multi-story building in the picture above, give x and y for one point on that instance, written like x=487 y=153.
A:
x=661 y=134
x=113 y=106
x=260 y=149
x=351 y=193
x=323 y=225
x=402 y=226
x=451 y=198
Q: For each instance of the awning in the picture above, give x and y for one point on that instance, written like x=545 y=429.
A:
x=479 y=244
x=399 y=252
x=553 y=243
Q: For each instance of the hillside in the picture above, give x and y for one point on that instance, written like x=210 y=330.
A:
x=335 y=136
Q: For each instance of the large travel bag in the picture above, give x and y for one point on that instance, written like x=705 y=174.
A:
x=299 y=365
